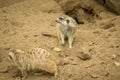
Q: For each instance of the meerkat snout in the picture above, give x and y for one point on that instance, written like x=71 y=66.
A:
x=59 y=20
x=66 y=27
x=63 y=21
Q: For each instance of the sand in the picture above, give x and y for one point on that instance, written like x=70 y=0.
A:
x=22 y=23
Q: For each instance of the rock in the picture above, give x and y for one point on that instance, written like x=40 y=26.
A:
x=7 y=48
x=84 y=56
x=117 y=63
x=96 y=32
x=108 y=26
x=49 y=35
x=68 y=60
x=64 y=62
x=113 y=5
x=57 y=49
x=107 y=73
x=25 y=36
x=35 y=35
x=93 y=75
x=114 y=56
x=90 y=65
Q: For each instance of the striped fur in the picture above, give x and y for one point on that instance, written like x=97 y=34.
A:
x=33 y=59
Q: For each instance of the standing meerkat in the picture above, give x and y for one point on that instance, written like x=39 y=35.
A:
x=33 y=59
x=67 y=27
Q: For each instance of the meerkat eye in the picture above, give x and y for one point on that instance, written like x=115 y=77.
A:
x=10 y=57
x=68 y=21
x=60 y=18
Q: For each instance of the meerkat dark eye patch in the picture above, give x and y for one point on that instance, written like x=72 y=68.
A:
x=10 y=57
x=68 y=21
x=61 y=18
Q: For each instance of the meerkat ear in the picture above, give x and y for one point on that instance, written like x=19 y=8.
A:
x=68 y=21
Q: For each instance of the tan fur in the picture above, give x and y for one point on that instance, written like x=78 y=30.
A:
x=34 y=59
x=66 y=29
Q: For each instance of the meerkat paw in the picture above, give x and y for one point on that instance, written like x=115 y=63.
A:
x=62 y=44
x=70 y=46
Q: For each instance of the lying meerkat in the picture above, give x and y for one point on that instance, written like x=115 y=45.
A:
x=33 y=59
x=67 y=27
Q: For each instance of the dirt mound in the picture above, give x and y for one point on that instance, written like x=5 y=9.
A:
x=84 y=12
x=96 y=49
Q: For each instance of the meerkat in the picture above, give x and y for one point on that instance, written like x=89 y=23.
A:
x=33 y=59
x=66 y=29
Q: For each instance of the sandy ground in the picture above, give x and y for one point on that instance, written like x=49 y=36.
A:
x=22 y=24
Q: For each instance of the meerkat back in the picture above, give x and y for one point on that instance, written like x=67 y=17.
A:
x=34 y=59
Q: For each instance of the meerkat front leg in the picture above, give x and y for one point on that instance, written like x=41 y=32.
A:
x=24 y=74
x=62 y=39
x=70 y=41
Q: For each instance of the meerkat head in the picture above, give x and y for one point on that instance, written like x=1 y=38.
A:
x=62 y=20
x=13 y=53
x=66 y=21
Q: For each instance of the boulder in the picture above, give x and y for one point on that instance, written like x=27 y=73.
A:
x=112 y=5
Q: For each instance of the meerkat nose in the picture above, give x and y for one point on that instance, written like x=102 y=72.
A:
x=57 y=21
